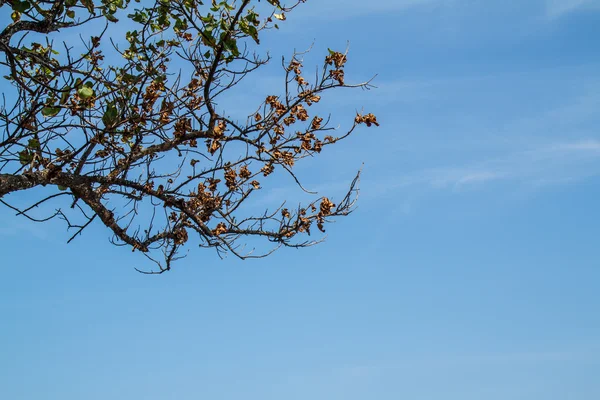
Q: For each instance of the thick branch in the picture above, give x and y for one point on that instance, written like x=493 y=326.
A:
x=13 y=183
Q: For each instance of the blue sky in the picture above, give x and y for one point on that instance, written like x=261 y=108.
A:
x=470 y=269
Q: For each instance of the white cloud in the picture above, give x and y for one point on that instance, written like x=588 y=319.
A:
x=556 y=163
x=583 y=145
x=516 y=127
x=454 y=177
x=352 y=8
x=558 y=8
x=478 y=177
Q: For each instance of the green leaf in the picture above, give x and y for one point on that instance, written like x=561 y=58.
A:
x=34 y=144
x=110 y=115
x=89 y=4
x=64 y=95
x=21 y=6
x=25 y=157
x=208 y=39
x=254 y=33
x=50 y=111
x=85 y=92
x=249 y=30
x=61 y=187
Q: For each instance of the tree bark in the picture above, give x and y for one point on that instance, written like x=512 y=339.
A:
x=13 y=183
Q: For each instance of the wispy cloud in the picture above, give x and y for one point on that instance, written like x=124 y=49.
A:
x=583 y=146
x=338 y=9
x=552 y=164
x=559 y=8
x=478 y=177
x=516 y=358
